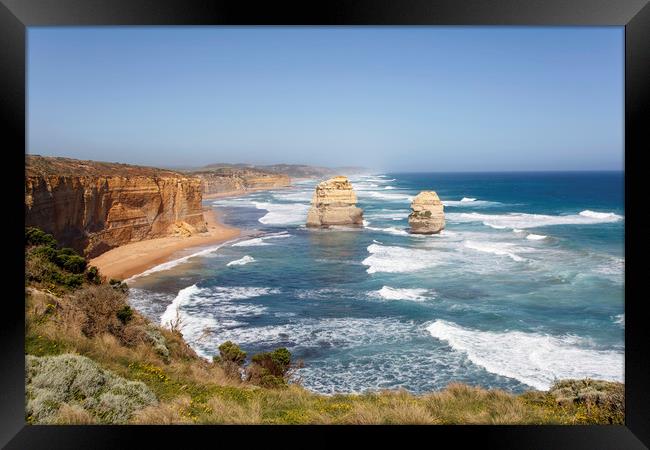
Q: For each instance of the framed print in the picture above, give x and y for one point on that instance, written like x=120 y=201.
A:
x=384 y=219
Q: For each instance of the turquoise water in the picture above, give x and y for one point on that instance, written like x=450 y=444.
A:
x=524 y=286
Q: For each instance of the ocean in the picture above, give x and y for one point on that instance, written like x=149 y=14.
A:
x=524 y=286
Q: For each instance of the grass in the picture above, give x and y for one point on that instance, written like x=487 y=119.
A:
x=190 y=390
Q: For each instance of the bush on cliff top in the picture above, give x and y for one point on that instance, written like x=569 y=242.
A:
x=75 y=381
x=58 y=269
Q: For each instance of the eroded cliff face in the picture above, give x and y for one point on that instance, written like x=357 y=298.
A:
x=334 y=203
x=427 y=214
x=94 y=207
x=231 y=181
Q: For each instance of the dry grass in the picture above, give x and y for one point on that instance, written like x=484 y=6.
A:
x=460 y=403
x=168 y=413
x=389 y=407
x=221 y=411
x=73 y=415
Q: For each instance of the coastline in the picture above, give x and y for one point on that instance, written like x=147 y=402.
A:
x=131 y=259
x=134 y=258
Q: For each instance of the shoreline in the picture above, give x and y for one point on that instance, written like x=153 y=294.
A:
x=134 y=258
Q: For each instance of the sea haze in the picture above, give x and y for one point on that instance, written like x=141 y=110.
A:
x=524 y=286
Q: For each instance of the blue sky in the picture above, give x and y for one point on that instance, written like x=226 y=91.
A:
x=391 y=98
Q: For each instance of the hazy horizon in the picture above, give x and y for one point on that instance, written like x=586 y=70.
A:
x=399 y=99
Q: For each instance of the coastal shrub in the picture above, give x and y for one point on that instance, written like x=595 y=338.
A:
x=230 y=358
x=36 y=236
x=155 y=337
x=100 y=306
x=270 y=369
x=70 y=262
x=229 y=351
x=119 y=285
x=93 y=276
x=125 y=314
x=603 y=401
x=73 y=381
x=48 y=253
x=61 y=269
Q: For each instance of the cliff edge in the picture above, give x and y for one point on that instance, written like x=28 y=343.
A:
x=94 y=206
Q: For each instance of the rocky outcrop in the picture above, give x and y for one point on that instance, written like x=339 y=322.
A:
x=93 y=207
x=224 y=181
x=427 y=216
x=334 y=203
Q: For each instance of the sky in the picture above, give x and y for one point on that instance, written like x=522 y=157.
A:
x=389 y=98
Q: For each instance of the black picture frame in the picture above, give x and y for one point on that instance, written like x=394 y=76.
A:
x=16 y=15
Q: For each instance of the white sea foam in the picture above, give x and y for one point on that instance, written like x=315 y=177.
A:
x=258 y=241
x=175 y=262
x=498 y=248
x=172 y=313
x=206 y=312
x=619 y=319
x=536 y=237
x=242 y=261
x=294 y=196
x=282 y=213
x=414 y=294
x=523 y=220
x=534 y=359
x=390 y=230
x=469 y=202
x=399 y=259
x=387 y=196
x=318 y=333
x=606 y=216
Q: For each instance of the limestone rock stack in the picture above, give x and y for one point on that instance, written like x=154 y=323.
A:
x=427 y=216
x=334 y=203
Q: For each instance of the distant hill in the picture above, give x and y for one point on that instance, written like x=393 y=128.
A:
x=291 y=170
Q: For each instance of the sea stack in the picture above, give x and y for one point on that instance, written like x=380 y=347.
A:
x=427 y=216
x=334 y=203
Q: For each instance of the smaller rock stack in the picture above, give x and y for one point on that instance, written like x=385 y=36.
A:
x=427 y=216
x=334 y=203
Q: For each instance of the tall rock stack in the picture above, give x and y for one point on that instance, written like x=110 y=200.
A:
x=427 y=216
x=334 y=203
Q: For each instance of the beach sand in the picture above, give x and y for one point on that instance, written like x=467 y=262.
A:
x=136 y=257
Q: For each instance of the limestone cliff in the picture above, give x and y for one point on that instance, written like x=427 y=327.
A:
x=223 y=181
x=93 y=206
x=427 y=216
x=334 y=203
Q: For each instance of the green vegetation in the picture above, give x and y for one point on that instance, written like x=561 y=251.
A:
x=80 y=384
x=93 y=359
x=52 y=268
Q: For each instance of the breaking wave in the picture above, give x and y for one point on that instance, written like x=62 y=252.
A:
x=498 y=248
x=175 y=262
x=537 y=360
x=261 y=240
x=523 y=220
x=414 y=294
x=242 y=261
x=399 y=259
x=282 y=213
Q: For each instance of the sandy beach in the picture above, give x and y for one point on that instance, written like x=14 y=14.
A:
x=136 y=257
